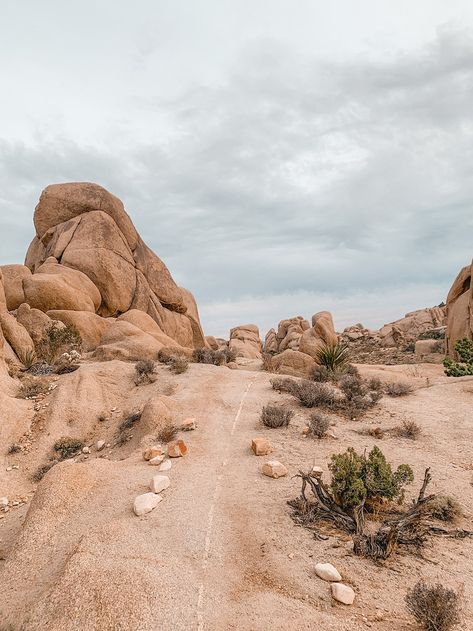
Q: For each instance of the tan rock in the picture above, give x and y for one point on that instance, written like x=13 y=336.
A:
x=459 y=309
x=211 y=342
x=159 y=483
x=13 y=277
x=158 y=412
x=327 y=572
x=127 y=342
x=177 y=448
x=293 y=363
x=145 y=503
x=407 y=329
x=274 y=469
x=16 y=334
x=157 y=460
x=146 y=323
x=3 y=300
x=90 y=326
x=261 y=446
x=430 y=351
x=271 y=342
x=343 y=593
x=245 y=341
x=35 y=321
x=153 y=451
x=188 y=425
x=321 y=333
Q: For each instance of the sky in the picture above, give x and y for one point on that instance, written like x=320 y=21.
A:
x=282 y=157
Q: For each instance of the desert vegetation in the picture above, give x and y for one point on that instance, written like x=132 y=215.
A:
x=435 y=607
x=275 y=416
x=464 y=367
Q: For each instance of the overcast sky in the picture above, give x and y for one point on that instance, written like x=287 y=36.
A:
x=281 y=156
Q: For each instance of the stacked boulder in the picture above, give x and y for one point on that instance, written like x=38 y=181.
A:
x=411 y=326
x=245 y=341
x=459 y=310
x=88 y=267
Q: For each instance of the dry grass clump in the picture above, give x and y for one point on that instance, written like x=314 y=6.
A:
x=312 y=394
x=145 y=372
x=321 y=374
x=435 y=607
x=14 y=449
x=32 y=387
x=408 y=429
x=445 y=508
x=274 y=416
x=178 y=365
x=41 y=471
x=129 y=421
x=284 y=384
x=374 y=432
x=68 y=447
x=398 y=389
x=57 y=340
x=267 y=364
x=359 y=395
x=318 y=425
x=217 y=358
x=167 y=433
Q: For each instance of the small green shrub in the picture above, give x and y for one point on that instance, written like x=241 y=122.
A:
x=57 y=341
x=334 y=357
x=68 y=447
x=464 y=348
x=435 y=607
x=357 y=478
x=318 y=425
x=274 y=416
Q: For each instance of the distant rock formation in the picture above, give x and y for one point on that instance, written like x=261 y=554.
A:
x=459 y=309
x=245 y=341
x=87 y=264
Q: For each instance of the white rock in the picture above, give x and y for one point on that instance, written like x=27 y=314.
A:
x=166 y=465
x=316 y=472
x=188 y=425
x=328 y=572
x=157 y=460
x=100 y=444
x=274 y=469
x=86 y=450
x=343 y=593
x=145 y=503
x=3 y=502
x=159 y=483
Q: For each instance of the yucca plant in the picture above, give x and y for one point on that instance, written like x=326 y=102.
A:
x=334 y=357
x=27 y=358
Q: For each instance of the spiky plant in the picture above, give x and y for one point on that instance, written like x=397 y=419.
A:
x=333 y=356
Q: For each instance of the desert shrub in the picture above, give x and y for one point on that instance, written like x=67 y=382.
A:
x=274 y=416
x=228 y=353
x=209 y=356
x=357 y=478
x=27 y=358
x=58 y=340
x=129 y=421
x=68 y=447
x=284 y=384
x=267 y=364
x=333 y=356
x=14 y=449
x=318 y=425
x=312 y=394
x=464 y=348
x=321 y=374
x=435 y=607
x=167 y=433
x=41 y=471
x=178 y=365
x=352 y=370
x=408 y=429
x=32 y=387
x=144 y=372
x=359 y=396
x=375 y=384
x=445 y=508
x=432 y=334
x=398 y=389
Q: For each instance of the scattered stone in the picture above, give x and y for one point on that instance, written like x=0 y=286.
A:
x=152 y=452
x=328 y=572
x=9 y=468
x=157 y=460
x=274 y=469
x=261 y=446
x=86 y=450
x=100 y=445
x=316 y=472
x=343 y=593
x=3 y=502
x=15 y=466
x=145 y=503
x=188 y=425
x=159 y=483
x=166 y=465
x=177 y=448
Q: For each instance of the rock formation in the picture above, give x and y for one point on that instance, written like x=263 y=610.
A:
x=459 y=309
x=86 y=267
x=245 y=341
x=411 y=326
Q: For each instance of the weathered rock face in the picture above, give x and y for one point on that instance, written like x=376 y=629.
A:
x=293 y=363
x=245 y=341
x=87 y=257
x=459 y=310
x=321 y=333
x=407 y=329
x=287 y=336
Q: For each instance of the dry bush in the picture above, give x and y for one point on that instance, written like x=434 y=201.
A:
x=375 y=384
x=14 y=449
x=321 y=374
x=318 y=425
x=58 y=340
x=178 y=365
x=375 y=432
x=167 y=433
x=41 y=471
x=408 y=429
x=435 y=607
x=359 y=396
x=284 y=384
x=27 y=358
x=68 y=447
x=145 y=372
x=398 y=389
x=267 y=364
x=274 y=416
x=312 y=394
x=129 y=421
x=445 y=508
x=217 y=358
x=353 y=371
x=32 y=387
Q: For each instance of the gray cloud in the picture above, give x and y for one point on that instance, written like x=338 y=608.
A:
x=293 y=185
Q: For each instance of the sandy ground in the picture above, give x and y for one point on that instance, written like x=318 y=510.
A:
x=220 y=551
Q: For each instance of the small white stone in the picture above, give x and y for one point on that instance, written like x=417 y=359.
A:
x=343 y=593
x=274 y=469
x=100 y=444
x=166 y=465
x=3 y=502
x=145 y=503
x=316 y=472
x=328 y=572
x=159 y=483
x=157 y=460
x=188 y=425
x=86 y=450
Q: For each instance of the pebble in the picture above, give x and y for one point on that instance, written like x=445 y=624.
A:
x=3 y=502
x=86 y=450
x=261 y=446
x=274 y=469
x=166 y=465
x=146 y=503
x=328 y=572
x=157 y=460
x=100 y=444
x=188 y=425
x=177 y=448
x=153 y=452
x=159 y=483
x=343 y=593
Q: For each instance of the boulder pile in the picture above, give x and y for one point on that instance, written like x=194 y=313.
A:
x=459 y=309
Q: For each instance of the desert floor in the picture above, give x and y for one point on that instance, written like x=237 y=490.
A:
x=221 y=550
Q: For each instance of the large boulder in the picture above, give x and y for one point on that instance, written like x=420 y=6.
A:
x=16 y=334
x=3 y=300
x=245 y=341
x=13 y=277
x=57 y=287
x=322 y=333
x=293 y=363
x=459 y=310
x=127 y=342
x=35 y=321
x=408 y=329
x=271 y=342
x=146 y=323
x=290 y=332
x=91 y=327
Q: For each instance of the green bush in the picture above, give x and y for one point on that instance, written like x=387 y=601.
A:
x=464 y=348
x=357 y=478
x=334 y=357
